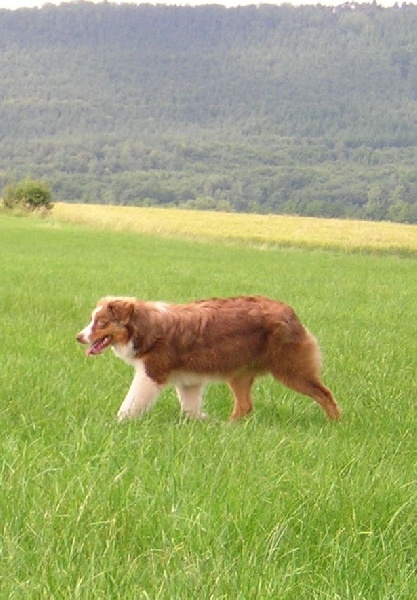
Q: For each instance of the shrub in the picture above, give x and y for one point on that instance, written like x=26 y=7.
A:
x=29 y=194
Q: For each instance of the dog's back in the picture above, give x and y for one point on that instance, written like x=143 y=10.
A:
x=220 y=335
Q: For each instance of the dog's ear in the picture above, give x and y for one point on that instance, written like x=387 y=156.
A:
x=121 y=310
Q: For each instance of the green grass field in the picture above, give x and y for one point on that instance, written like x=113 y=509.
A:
x=285 y=505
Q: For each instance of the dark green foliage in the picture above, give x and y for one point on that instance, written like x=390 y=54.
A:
x=28 y=195
x=309 y=110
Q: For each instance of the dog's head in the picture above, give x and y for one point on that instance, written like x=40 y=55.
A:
x=109 y=324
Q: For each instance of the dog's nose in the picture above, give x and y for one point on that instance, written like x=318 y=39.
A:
x=80 y=338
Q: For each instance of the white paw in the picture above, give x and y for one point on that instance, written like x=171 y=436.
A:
x=200 y=416
x=123 y=415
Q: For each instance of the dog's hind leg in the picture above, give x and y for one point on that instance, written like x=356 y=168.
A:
x=241 y=386
x=142 y=393
x=299 y=369
x=315 y=389
x=190 y=398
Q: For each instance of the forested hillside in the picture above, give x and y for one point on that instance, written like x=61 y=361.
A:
x=309 y=110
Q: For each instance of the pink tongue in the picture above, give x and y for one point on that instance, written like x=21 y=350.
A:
x=97 y=347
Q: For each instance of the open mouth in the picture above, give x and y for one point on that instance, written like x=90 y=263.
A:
x=98 y=346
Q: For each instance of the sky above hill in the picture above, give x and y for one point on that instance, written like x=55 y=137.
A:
x=14 y=4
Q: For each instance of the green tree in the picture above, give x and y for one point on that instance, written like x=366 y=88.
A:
x=29 y=195
x=378 y=202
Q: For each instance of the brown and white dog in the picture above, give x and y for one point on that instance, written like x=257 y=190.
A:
x=190 y=345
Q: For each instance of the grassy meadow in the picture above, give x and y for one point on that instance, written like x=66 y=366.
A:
x=284 y=505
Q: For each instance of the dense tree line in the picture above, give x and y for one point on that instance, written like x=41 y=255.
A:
x=308 y=110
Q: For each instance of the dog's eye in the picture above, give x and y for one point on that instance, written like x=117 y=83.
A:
x=101 y=323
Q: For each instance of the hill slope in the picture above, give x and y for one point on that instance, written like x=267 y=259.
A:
x=271 y=109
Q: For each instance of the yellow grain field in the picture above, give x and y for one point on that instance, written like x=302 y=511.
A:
x=260 y=230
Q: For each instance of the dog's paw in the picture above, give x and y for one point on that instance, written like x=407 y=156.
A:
x=124 y=416
x=193 y=416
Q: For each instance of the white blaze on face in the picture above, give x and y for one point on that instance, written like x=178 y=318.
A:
x=86 y=332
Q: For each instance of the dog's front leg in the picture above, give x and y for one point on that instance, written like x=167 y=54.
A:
x=142 y=393
x=190 y=398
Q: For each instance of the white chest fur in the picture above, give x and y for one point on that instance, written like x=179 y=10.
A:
x=126 y=352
